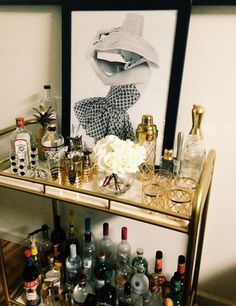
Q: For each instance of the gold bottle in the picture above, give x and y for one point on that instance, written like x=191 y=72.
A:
x=197 y=116
x=146 y=135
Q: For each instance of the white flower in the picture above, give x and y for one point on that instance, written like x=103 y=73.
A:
x=113 y=155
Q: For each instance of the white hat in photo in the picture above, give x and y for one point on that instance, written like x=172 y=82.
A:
x=129 y=37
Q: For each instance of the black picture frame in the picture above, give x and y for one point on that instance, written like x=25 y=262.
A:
x=183 y=11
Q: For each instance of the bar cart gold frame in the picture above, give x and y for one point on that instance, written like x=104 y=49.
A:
x=195 y=227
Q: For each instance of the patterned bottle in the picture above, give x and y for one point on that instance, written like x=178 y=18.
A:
x=146 y=135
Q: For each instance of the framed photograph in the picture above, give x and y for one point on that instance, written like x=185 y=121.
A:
x=121 y=62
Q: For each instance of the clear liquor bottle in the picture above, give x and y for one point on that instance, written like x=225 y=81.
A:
x=122 y=275
x=106 y=245
x=88 y=229
x=82 y=290
x=53 y=148
x=48 y=100
x=124 y=248
x=139 y=259
x=73 y=267
x=21 y=142
x=193 y=154
x=139 y=286
x=88 y=257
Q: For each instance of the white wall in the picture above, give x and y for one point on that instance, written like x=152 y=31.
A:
x=209 y=79
x=30 y=56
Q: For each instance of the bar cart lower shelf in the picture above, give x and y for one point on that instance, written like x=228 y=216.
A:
x=130 y=206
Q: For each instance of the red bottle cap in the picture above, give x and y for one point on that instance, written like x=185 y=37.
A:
x=27 y=253
x=20 y=122
x=105 y=229
x=124 y=233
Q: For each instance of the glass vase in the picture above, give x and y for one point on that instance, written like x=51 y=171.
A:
x=115 y=183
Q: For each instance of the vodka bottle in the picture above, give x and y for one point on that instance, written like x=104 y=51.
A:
x=88 y=257
x=123 y=248
x=21 y=143
x=139 y=286
x=73 y=267
x=106 y=245
x=193 y=153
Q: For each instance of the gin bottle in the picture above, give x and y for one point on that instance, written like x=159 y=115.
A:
x=146 y=135
x=21 y=142
x=193 y=153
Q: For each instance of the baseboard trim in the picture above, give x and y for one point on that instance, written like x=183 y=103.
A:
x=205 y=298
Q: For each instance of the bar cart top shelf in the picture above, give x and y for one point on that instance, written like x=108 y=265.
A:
x=129 y=204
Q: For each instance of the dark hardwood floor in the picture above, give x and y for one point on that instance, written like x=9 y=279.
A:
x=14 y=264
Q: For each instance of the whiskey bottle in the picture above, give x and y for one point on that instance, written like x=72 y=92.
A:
x=158 y=270
x=21 y=144
x=146 y=135
x=193 y=153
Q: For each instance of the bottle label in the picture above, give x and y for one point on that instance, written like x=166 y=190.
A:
x=31 y=293
x=87 y=263
x=158 y=264
x=181 y=268
x=99 y=283
x=21 y=149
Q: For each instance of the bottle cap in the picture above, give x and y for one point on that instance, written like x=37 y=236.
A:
x=20 y=122
x=73 y=252
x=34 y=250
x=140 y=251
x=159 y=254
x=168 y=154
x=147 y=119
x=87 y=224
x=181 y=259
x=82 y=279
x=47 y=86
x=27 y=253
x=105 y=229
x=101 y=256
x=124 y=233
x=169 y=302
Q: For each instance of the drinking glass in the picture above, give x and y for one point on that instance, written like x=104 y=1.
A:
x=73 y=171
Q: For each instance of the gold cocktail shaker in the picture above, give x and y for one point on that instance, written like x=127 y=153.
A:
x=146 y=135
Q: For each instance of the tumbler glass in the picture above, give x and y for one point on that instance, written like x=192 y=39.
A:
x=73 y=171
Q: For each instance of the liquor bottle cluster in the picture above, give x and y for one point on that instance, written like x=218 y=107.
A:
x=65 y=269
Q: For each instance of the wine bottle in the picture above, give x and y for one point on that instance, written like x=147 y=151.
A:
x=58 y=238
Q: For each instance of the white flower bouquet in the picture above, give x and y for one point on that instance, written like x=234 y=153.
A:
x=114 y=156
